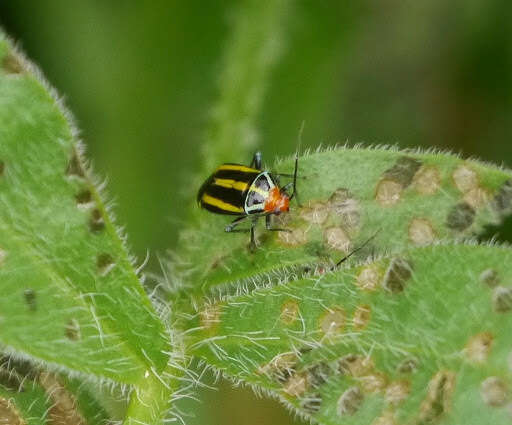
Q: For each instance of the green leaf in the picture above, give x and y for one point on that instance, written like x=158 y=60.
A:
x=404 y=198
x=70 y=294
x=419 y=337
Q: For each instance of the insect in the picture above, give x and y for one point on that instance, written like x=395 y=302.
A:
x=248 y=192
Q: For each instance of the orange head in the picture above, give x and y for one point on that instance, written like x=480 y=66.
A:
x=277 y=201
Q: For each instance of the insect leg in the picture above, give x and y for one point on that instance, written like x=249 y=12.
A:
x=252 y=245
x=256 y=160
x=231 y=227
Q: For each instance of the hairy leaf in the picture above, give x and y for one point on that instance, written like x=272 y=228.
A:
x=419 y=337
x=393 y=199
x=70 y=294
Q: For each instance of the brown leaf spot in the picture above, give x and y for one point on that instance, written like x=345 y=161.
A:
x=12 y=64
x=397 y=275
x=332 y=321
x=409 y=365
x=280 y=368
x=362 y=315
x=84 y=199
x=355 y=365
x=104 y=264
x=503 y=200
x=350 y=401
x=295 y=237
x=397 y=391
x=477 y=197
x=369 y=277
x=374 y=382
x=460 y=217
x=73 y=330
x=64 y=409
x=74 y=167
x=315 y=213
x=403 y=170
x=296 y=385
x=209 y=317
x=9 y=415
x=421 y=232
x=289 y=312
x=439 y=396
x=502 y=299
x=427 y=180
x=388 y=192
x=494 y=392
x=478 y=347
x=489 y=277
x=387 y=418
x=465 y=178
x=346 y=207
x=336 y=238
x=96 y=222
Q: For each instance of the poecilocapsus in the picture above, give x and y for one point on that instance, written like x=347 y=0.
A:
x=247 y=192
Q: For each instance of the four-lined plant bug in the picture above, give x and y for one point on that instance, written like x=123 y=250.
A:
x=247 y=192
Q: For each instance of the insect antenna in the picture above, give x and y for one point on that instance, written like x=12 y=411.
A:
x=299 y=143
x=355 y=250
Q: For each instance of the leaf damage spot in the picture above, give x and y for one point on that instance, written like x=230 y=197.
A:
x=427 y=180
x=63 y=410
x=74 y=167
x=397 y=275
x=421 y=232
x=12 y=64
x=104 y=263
x=502 y=299
x=374 y=382
x=209 y=317
x=369 y=277
x=439 y=396
x=403 y=170
x=350 y=401
x=332 y=322
x=296 y=385
x=315 y=213
x=30 y=299
x=346 y=207
x=397 y=392
x=465 y=178
x=460 y=217
x=72 y=330
x=362 y=315
x=503 y=200
x=337 y=239
x=84 y=199
x=409 y=365
x=280 y=368
x=355 y=365
x=477 y=197
x=9 y=414
x=96 y=222
x=479 y=347
x=489 y=277
x=387 y=418
x=494 y=392
x=289 y=312
x=388 y=193
x=318 y=374
x=296 y=237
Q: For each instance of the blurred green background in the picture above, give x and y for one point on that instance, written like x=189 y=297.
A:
x=141 y=79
